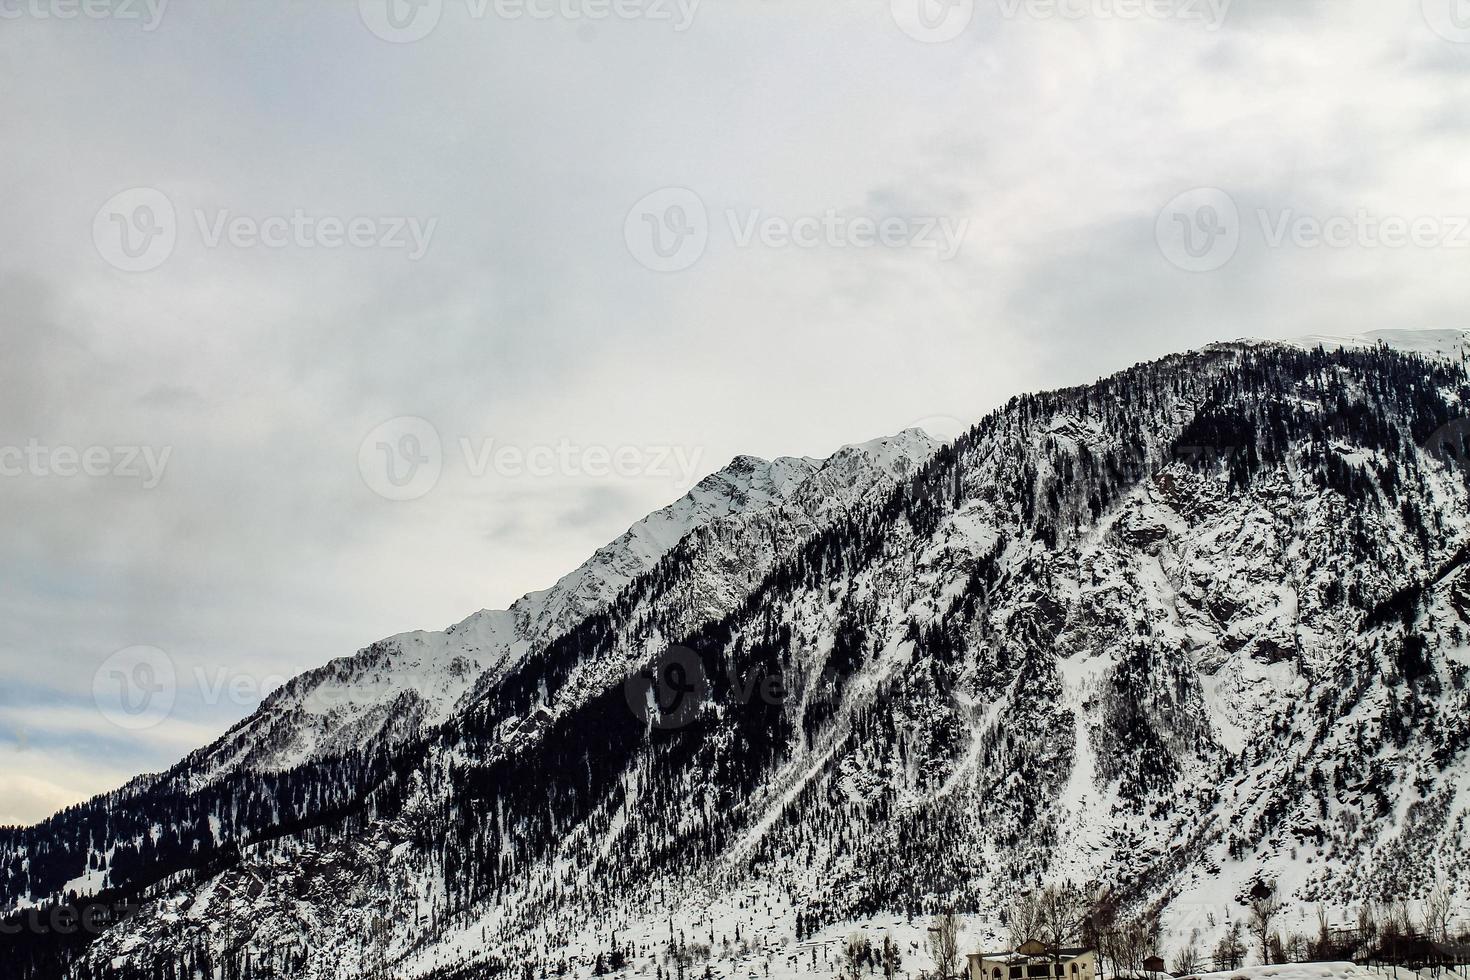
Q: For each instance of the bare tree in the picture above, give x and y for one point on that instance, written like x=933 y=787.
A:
x=1367 y=922
x=1132 y=941
x=1110 y=949
x=944 y=944
x=1230 y=951
x=1398 y=920
x=1321 y=948
x=1025 y=919
x=1187 y=960
x=1053 y=916
x=1263 y=915
x=1063 y=907
x=1437 y=912
x=1100 y=922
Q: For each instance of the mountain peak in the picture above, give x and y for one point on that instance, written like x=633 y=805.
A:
x=415 y=680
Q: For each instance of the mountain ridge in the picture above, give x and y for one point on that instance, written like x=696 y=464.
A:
x=1030 y=660
x=432 y=671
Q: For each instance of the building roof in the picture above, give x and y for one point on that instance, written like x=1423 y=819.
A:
x=1008 y=955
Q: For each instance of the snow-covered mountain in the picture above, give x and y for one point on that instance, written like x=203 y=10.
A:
x=1443 y=344
x=405 y=684
x=1193 y=632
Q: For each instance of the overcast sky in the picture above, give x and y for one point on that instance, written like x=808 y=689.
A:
x=253 y=253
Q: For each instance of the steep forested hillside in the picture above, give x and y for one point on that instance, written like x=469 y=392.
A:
x=1192 y=631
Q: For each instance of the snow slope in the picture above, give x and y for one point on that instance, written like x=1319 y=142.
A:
x=1444 y=344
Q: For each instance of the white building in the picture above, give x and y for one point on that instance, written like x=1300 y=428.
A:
x=1033 y=961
